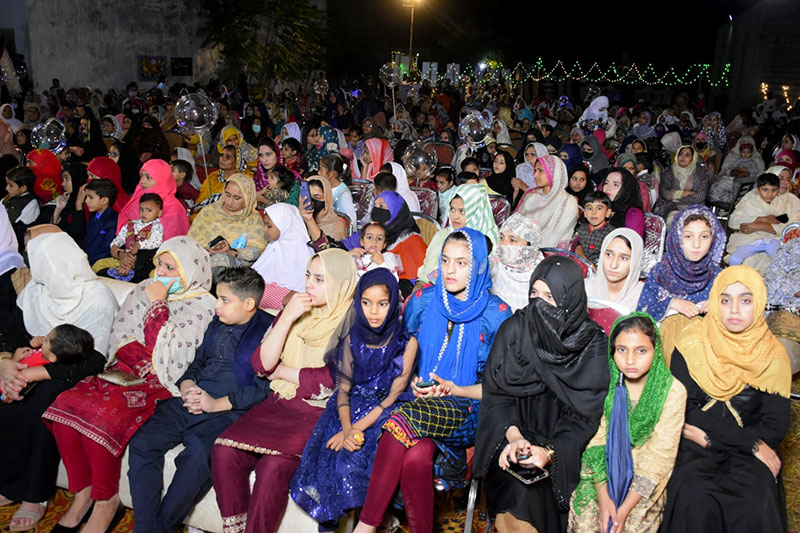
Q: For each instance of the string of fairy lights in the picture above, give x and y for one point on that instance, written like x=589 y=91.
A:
x=490 y=71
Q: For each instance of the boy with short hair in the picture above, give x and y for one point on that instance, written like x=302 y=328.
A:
x=20 y=203
x=140 y=238
x=758 y=221
x=217 y=388
x=471 y=164
x=182 y=171
x=597 y=211
x=102 y=225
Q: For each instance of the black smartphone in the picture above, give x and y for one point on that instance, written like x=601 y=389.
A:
x=527 y=476
x=218 y=239
x=427 y=384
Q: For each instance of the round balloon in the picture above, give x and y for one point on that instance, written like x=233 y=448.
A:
x=195 y=111
x=321 y=86
x=419 y=160
x=50 y=135
x=474 y=129
x=390 y=74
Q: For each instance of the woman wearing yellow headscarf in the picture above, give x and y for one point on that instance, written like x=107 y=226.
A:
x=738 y=378
x=234 y=218
x=247 y=155
x=270 y=438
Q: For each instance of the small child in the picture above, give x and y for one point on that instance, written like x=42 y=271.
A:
x=102 y=225
x=140 y=238
x=597 y=211
x=20 y=202
x=291 y=150
x=65 y=344
x=371 y=255
x=471 y=164
x=281 y=183
x=182 y=172
x=445 y=185
x=760 y=217
x=218 y=387
x=652 y=431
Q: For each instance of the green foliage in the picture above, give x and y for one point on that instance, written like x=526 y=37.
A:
x=269 y=40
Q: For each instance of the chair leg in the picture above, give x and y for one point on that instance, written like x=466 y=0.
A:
x=472 y=498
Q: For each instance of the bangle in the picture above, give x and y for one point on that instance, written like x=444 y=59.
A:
x=346 y=404
x=550 y=454
x=4 y=357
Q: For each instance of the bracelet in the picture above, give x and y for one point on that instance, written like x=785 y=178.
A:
x=346 y=404
x=550 y=454
x=4 y=357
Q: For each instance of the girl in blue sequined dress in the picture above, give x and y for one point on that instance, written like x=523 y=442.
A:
x=373 y=366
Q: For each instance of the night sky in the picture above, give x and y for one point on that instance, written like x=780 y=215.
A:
x=677 y=32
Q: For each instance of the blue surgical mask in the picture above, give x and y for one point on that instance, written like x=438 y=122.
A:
x=165 y=280
x=256 y=128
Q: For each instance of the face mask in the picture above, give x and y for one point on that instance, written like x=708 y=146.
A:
x=256 y=128
x=701 y=146
x=398 y=135
x=381 y=215
x=319 y=205
x=586 y=155
x=131 y=94
x=165 y=280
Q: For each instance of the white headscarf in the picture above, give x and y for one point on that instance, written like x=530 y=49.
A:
x=284 y=261
x=9 y=254
x=117 y=134
x=185 y=155
x=503 y=137
x=511 y=266
x=593 y=112
x=293 y=130
x=14 y=122
x=403 y=189
x=64 y=290
x=190 y=312
x=628 y=297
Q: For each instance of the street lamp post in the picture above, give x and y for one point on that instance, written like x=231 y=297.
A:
x=412 y=4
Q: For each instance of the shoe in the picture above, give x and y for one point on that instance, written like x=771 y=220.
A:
x=58 y=528
x=118 y=516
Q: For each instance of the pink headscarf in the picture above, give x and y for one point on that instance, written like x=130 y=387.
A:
x=260 y=178
x=174 y=218
x=381 y=153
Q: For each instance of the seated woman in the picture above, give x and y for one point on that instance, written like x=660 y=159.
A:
x=500 y=180
x=155 y=335
x=246 y=154
x=646 y=438
x=513 y=260
x=282 y=265
x=454 y=322
x=271 y=436
x=377 y=152
x=373 y=368
x=469 y=207
x=269 y=157
x=626 y=200
x=10 y=261
x=548 y=204
x=683 y=184
x=544 y=385
x=617 y=284
x=62 y=290
x=320 y=209
x=68 y=213
x=234 y=218
x=738 y=380
x=211 y=189
x=681 y=282
x=156 y=177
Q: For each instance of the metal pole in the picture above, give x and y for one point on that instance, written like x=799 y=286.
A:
x=411 y=41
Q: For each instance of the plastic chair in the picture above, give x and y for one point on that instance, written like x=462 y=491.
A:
x=365 y=199
x=586 y=266
x=108 y=141
x=655 y=234
x=427 y=226
x=428 y=200
x=346 y=220
x=501 y=209
x=604 y=313
x=444 y=152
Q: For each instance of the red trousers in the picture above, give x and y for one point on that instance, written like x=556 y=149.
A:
x=412 y=469
x=87 y=463
x=230 y=471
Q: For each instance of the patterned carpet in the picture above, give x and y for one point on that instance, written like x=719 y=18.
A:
x=59 y=506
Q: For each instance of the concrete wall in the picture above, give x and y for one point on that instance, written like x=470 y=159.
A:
x=763 y=45
x=97 y=42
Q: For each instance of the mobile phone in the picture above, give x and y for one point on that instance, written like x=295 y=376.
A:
x=427 y=384
x=528 y=476
x=522 y=457
x=304 y=193
x=218 y=239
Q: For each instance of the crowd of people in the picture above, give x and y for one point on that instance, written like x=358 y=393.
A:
x=305 y=304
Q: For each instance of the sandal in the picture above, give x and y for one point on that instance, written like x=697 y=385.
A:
x=27 y=513
x=5 y=501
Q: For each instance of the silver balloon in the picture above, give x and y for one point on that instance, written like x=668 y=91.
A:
x=50 y=135
x=195 y=111
x=390 y=74
x=419 y=160
x=474 y=129
x=321 y=87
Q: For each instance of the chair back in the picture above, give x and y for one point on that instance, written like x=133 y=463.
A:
x=604 y=317
x=655 y=234
x=427 y=226
x=428 y=200
x=174 y=139
x=501 y=209
x=444 y=152
x=586 y=266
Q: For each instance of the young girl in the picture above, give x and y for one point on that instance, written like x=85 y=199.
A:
x=738 y=380
x=454 y=322
x=371 y=254
x=374 y=364
x=651 y=430
x=332 y=167
x=269 y=157
x=681 y=282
